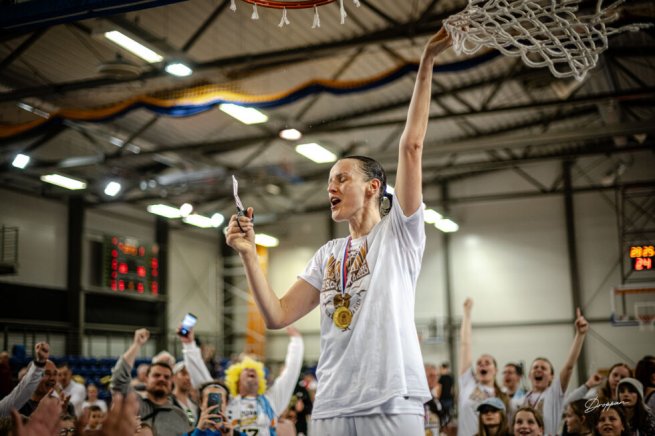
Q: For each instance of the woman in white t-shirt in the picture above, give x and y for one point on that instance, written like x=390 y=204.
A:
x=475 y=385
x=370 y=373
x=92 y=399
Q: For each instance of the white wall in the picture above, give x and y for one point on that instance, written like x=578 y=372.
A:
x=42 y=238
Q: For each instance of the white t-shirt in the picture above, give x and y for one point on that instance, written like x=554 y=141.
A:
x=376 y=361
x=549 y=402
x=100 y=403
x=77 y=393
x=471 y=394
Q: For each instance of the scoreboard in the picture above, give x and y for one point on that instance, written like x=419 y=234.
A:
x=641 y=257
x=130 y=266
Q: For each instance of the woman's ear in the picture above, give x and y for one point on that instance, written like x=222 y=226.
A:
x=374 y=186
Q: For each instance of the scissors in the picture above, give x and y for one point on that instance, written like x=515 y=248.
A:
x=241 y=211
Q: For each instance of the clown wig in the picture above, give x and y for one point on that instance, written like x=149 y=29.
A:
x=234 y=372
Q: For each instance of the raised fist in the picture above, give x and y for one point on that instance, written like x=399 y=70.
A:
x=41 y=352
x=141 y=336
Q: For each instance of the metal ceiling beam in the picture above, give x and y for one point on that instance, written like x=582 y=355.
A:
x=391 y=33
x=22 y=48
x=204 y=26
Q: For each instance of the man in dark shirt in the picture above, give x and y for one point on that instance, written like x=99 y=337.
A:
x=447 y=396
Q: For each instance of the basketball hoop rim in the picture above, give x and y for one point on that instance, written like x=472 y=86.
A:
x=298 y=4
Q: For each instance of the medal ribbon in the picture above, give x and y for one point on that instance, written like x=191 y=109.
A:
x=344 y=267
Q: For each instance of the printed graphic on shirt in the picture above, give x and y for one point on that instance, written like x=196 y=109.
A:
x=478 y=394
x=332 y=299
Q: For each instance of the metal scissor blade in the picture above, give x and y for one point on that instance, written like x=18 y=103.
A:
x=237 y=200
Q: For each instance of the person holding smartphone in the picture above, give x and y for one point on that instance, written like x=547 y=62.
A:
x=214 y=396
x=252 y=409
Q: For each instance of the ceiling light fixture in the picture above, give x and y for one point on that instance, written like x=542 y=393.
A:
x=178 y=69
x=199 y=221
x=186 y=209
x=21 y=160
x=247 y=115
x=112 y=189
x=316 y=152
x=266 y=240
x=64 y=181
x=446 y=225
x=217 y=219
x=290 y=134
x=164 y=210
x=431 y=216
x=133 y=47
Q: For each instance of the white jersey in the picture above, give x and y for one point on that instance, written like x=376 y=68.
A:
x=550 y=403
x=375 y=361
x=249 y=415
x=471 y=394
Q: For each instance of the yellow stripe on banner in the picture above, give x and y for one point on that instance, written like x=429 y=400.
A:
x=196 y=95
x=256 y=329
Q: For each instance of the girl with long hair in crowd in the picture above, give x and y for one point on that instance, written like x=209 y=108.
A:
x=611 y=421
x=492 y=420
x=640 y=418
x=645 y=373
x=475 y=385
x=576 y=419
x=607 y=391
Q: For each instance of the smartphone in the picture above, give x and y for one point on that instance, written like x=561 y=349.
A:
x=187 y=324
x=215 y=399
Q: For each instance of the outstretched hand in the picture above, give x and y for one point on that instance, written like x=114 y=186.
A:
x=43 y=422
x=468 y=306
x=141 y=336
x=41 y=352
x=581 y=324
x=241 y=235
x=439 y=42
x=189 y=338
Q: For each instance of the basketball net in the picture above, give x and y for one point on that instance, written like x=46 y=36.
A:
x=542 y=32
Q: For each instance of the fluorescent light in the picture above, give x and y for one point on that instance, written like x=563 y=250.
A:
x=290 y=134
x=446 y=225
x=164 y=210
x=21 y=160
x=134 y=47
x=32 y=109
x=266 y=240
x=247 y=115
x=199 y=221
x=431 y=216
x=186 y=209
x=217 y=219
x=178 y=69
x=112 y=189
x=316 y=152
x=63 y=181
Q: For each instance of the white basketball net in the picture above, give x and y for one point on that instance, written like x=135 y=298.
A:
x=542 y=32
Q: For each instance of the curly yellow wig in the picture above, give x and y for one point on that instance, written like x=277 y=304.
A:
x=233 y=373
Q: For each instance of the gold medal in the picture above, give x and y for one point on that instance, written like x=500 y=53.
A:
x=342 y=317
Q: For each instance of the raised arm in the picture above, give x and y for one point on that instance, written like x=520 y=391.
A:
x=465 y=334
x=299 y=300
x=193 y=362
x=120 y=375
x=408 y=177
x=280 y=393
x=581 y=328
